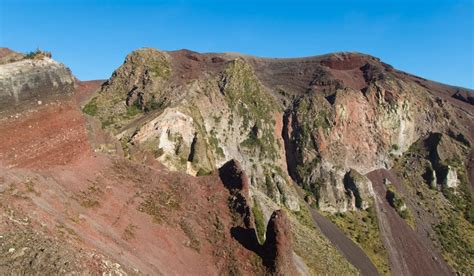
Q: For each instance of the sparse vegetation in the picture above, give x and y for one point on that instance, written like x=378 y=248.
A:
x=153 y=104
x=160 y=67
x=91 y=107
x=109 y=104
x=259 y=220
x=194 y=242
x=202 y=172
x=318 y=253
x=362 y=227
x=460 y=196
x=129 y=232
x=132 y=111
x=452 y=207
x=247 y=97
x=214 y=143
x=458 y=251
x=37 y=54
x=90 y=197
x=30 y=187
x=398 y=203
x=158 y=203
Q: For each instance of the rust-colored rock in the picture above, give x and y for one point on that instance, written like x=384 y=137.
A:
x=233 y=177
x=236 y=181
x=279 y=245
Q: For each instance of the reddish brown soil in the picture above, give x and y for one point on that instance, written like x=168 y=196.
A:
x=353 y=78
x=50 y=135
x=188 y=65
x=142 y=216
x=409 y=253
x=84 y=90
x=4 y=52
x=344 y=61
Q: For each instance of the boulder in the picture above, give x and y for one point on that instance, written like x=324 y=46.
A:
x=31 y=80
x=278 y=246
x=451 y=180
x=361 y=189
x=236 y=181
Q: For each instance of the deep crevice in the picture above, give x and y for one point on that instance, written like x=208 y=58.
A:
x=192 y=150
x=289 y=146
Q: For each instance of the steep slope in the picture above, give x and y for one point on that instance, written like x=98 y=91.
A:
x=322 y=123
x=73 y=203
x=187 y=163
x=66 y=209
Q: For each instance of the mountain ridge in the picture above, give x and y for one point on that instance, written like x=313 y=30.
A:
x=332 y=140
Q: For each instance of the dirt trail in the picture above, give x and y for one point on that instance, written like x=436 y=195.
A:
x=350 y=250
x=408 y=255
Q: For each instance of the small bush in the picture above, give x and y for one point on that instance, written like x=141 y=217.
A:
x=37 y=54
x=91 y=107
x=132 y=111
x=153 y=104
x=202 y=172
x=259 y=221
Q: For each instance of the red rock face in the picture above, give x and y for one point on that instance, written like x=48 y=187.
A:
x=236 y=181
x=279 y=245
x=345 y=61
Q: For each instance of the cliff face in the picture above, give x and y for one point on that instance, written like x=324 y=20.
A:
x=31 y=81
x=322 y=123
x=70 y=208
x=339 y=113
x=218 y=150
x=198 y=124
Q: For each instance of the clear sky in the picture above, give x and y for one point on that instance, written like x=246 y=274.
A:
x=432 y=38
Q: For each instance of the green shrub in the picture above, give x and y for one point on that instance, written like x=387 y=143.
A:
x=37 y=54
x=91 y=107
x=202 y=172
x=362 y=227
x=132 y=111
x=259 y=220
x=459 y=248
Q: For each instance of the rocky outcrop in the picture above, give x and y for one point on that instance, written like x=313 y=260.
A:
x=279 y=245
x=465 y=96
x=277 y=251
x=451 y=180
x=33 y=81
x=359 y=188
x=345 y=115
x=236 y=181
x=137 y=86
x=201 y=124
x=343 y=112
x=445 y=154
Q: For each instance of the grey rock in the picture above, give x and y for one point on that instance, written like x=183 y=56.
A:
x=29 y=81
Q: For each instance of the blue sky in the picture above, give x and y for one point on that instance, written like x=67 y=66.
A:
x=433 y=39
